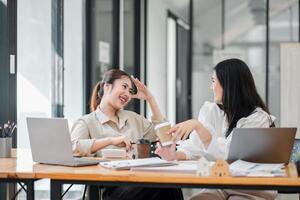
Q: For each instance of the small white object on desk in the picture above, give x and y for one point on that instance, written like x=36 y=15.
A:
x=114 y=153
x=203 y=167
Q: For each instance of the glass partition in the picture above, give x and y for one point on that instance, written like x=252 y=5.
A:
x=284 y=27
x=35 y=62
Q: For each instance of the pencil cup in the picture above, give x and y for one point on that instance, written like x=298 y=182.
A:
x=5 y=147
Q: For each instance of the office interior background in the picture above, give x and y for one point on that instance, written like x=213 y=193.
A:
x=52 y=53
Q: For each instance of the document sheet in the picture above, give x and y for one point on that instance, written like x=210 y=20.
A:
x=144 y=162
x=189 y=167
x=243 y=168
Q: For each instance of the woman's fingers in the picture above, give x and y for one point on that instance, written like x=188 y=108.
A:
x=185 y=135
x=158 y=146
x=127 y=143
x=179 y=133
x=121 y=144
x=173 y=146
x=166 y=153
x=123 y=141
x=172 y=130
x=158 y=149
x=137 y=82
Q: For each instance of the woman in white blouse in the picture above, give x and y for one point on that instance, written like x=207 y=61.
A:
x=237 y=104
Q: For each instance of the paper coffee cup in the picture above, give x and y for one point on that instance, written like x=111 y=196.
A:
x=161 y=131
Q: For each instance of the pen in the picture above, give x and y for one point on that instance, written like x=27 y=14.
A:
x=5 y=127
x=150 y=143
x=12 y=130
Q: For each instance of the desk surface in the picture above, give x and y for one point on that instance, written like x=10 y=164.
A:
x=22 y=167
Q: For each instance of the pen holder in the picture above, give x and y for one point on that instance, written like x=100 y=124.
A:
x=5 y=147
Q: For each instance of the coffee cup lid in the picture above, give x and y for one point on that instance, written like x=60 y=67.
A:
x=161 y=125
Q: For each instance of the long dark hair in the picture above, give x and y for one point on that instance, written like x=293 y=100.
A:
x=108 y=77
x=240 y=97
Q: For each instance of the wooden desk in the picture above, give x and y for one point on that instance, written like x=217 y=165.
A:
x=97 y=175
x=18 y=169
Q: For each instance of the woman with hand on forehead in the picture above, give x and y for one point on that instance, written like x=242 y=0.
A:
x=237 y=104
x=110 y=126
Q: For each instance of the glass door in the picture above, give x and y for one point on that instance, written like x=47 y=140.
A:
x=34 y=64
x=44 y=49
x=183 y=100
x=178 y=69
x=131 y=44
x=102 y=43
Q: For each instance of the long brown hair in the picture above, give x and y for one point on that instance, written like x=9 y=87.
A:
x=108 y=77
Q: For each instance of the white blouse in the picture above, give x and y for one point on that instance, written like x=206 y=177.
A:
x=214 y=120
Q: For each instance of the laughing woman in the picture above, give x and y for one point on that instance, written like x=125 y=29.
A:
x=109 y=125
x=236 y=105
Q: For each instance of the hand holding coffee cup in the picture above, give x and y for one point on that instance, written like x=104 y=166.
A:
x=162 y=131
x=182 y=130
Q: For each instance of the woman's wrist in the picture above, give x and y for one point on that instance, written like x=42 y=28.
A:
x=207 y=141
x=204 y=135
x=109 y=140
x=101 y=143
x=149 y=98
x=197 y=125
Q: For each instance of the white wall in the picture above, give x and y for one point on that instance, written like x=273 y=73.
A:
x=157 y=48
x=290 y=85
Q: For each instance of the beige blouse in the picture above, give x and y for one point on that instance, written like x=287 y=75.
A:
x=97 y=125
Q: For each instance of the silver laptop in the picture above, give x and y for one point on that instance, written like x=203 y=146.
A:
x=51 y=143
x=262 y=145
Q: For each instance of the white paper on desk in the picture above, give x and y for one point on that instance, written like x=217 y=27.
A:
x=144 y=162
x=197 y=151
x=244 y=168
x=189 y=167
